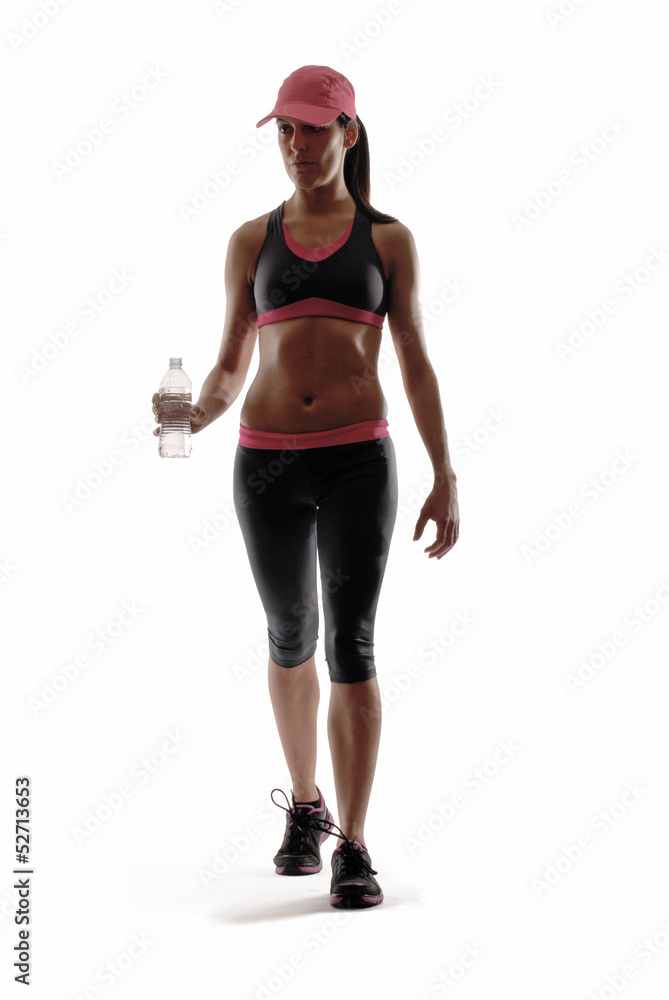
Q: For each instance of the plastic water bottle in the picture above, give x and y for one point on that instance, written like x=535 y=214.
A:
x=176 y=400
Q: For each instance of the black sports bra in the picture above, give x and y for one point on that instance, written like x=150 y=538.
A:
x=343 y=279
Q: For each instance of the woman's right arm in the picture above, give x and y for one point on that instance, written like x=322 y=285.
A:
x=226 y=379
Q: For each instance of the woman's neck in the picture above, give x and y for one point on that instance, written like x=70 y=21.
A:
x=324 y=201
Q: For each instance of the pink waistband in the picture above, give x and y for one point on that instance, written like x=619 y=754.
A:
x=367 y=430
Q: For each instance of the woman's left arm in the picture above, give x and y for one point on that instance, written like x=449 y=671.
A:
x=420 y=384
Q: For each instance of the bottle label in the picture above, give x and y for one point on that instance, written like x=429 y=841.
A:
x=175 y=412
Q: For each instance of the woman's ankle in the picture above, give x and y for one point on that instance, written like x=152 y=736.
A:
x=305 y=793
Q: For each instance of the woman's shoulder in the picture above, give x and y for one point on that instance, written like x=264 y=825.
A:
x=391 y=232
x=254 y=227
x=394 y=238
x=250 y=236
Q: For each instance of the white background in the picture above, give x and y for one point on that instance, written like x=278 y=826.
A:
x=192 y=660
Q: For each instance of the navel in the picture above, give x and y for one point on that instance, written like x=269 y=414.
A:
x=308 y=400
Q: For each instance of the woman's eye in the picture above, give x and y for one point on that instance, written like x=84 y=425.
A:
x=314 y=128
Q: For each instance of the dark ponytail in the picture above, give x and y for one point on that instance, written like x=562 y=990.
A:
x=356 y=171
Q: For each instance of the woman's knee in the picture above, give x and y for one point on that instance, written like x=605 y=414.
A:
x=292 y=670
x=293 y=636
x=350 y=658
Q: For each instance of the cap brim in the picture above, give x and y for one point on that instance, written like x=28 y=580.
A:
x=308 y=114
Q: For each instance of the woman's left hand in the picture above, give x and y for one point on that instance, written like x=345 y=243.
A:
x=441 y=505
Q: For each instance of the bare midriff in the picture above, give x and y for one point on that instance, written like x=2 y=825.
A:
x=315 y=373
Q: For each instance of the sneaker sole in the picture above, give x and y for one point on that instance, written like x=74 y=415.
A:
x=292 y=868
x=354 y=900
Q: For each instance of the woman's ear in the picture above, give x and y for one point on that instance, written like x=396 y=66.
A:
x=351 y=136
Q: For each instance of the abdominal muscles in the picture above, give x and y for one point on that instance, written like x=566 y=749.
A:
x=315 y=373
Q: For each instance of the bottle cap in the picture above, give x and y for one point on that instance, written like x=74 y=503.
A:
x=175 y=362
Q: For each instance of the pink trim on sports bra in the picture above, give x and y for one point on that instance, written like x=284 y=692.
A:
x=315 y=253
x=367 y=430
x=320 y=307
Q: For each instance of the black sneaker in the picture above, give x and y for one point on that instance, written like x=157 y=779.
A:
x=353 y=885
x=306 y=829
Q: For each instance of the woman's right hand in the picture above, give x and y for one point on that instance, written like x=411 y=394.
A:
x=197 y=415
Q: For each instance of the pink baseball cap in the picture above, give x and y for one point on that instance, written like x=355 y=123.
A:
x=315 y=95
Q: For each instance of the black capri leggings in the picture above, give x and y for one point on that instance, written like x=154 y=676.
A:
x=340 y=501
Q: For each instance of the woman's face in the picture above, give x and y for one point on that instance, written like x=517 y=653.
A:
x=312 y=154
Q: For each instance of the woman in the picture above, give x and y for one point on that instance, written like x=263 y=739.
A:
x=315 y=466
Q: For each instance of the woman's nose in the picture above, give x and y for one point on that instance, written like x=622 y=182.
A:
x=298 y=141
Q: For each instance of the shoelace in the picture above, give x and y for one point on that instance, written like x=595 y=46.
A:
x=352 y=861
x=298 y=826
